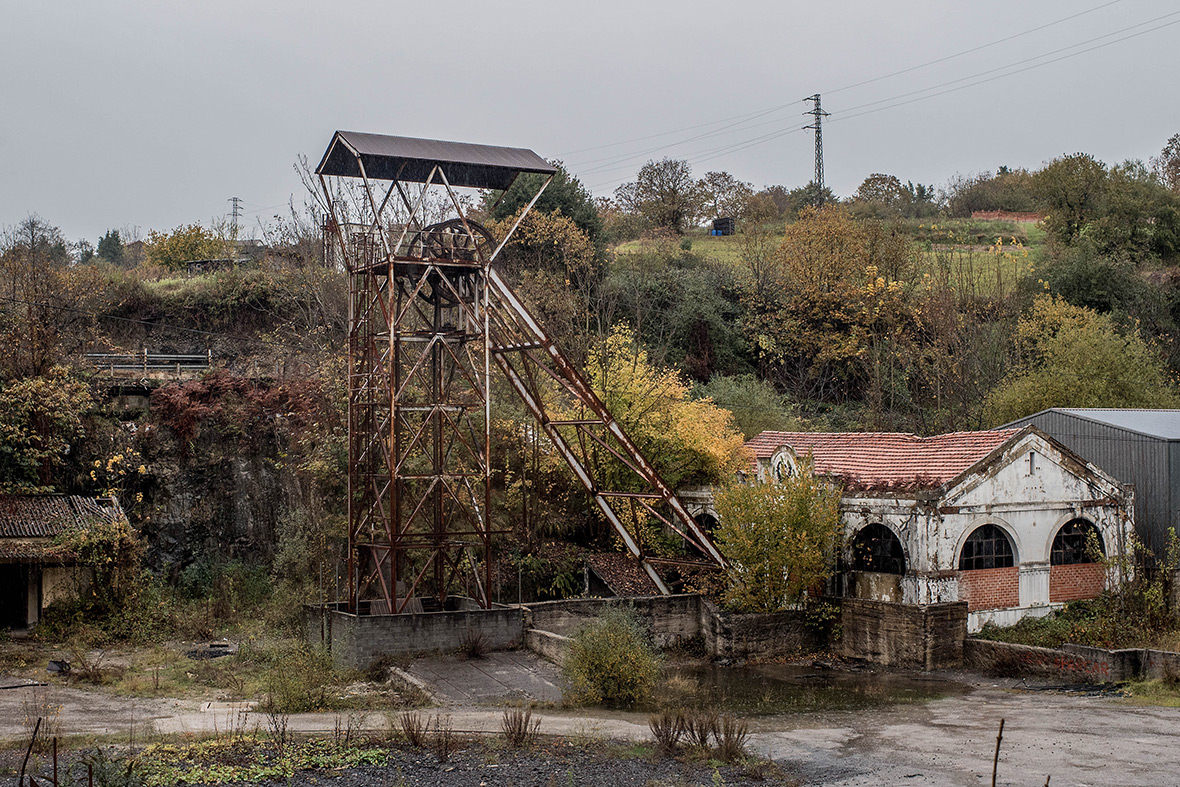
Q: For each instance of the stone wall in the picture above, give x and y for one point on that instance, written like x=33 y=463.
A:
x=903 y=635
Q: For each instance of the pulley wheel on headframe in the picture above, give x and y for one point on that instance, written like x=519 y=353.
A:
x=450 y=240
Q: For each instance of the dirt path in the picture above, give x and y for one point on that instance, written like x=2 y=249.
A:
x=1079 y=740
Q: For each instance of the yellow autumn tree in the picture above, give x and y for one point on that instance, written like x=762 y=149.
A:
x=1071 y=356
x=780 y=539
x=689 y=441
x=172 y=250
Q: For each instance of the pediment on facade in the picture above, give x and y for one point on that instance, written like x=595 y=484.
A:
x=1032 y=468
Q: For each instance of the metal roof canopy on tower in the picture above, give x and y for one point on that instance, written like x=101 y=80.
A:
x=410 y=159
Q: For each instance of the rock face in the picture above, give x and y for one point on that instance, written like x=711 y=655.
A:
x=228 y=459
x=228 y=506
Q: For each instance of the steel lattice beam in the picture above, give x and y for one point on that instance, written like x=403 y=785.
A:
x=428 y=318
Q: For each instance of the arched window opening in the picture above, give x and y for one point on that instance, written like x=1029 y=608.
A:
x=706 y=521
x=1071 y=545
x=784 y=467
x=876 y=548
x=987 y=547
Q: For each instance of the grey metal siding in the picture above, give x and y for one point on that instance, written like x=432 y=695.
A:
x=1131 y=458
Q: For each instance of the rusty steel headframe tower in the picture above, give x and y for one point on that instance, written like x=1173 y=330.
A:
x=429 y=317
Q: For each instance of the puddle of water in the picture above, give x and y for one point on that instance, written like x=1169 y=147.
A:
x=764 y=689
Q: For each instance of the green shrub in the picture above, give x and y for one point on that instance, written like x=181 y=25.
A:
x=611 y=661
x=298 y=679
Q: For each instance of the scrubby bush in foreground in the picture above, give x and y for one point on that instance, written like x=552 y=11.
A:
x=611 y=661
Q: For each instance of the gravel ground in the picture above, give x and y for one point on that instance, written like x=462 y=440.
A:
x=551 y=764
x=560 y=768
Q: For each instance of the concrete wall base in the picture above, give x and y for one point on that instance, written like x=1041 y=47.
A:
x=1071 y=663
x=903 y=635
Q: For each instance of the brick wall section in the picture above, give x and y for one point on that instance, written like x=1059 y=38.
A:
x=1078 y=581
x=990 y=588
x=903 y=635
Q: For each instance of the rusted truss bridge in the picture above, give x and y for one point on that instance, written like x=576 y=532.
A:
x=429 y=319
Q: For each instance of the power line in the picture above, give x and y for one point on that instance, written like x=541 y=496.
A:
x=842 y=115
x=745 y=118
x=839 y=116
x=1022 y=62
x=972 y=49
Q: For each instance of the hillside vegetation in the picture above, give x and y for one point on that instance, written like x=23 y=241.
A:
x=891 y=310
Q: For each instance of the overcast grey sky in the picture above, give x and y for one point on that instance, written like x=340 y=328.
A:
x=153 y=114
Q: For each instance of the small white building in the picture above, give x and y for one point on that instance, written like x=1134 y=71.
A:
x=1000 y=519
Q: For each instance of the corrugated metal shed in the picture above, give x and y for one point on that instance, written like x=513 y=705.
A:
x=1139 y=447
x=411 y=159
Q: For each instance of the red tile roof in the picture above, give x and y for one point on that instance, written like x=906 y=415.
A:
x=886 y=460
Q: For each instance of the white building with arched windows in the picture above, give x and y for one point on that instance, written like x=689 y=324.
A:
x=1003 y=519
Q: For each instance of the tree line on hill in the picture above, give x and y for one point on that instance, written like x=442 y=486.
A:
x=891 y=310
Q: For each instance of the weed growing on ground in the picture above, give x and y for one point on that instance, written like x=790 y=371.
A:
x=298 y=679
x=667 y=727
x=443 y=741
x=1165 y=693
x=519 y=728
x=41 y=705
x=700 y=727
x=414 y=726
x=474 y=644
x=733 y=737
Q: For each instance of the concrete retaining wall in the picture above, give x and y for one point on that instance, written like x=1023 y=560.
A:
x=356 y=641
x=758 y=635
x=680 y=620
x=547 y=645
x=672 y=620
x=903 y=635
x=1071 y=663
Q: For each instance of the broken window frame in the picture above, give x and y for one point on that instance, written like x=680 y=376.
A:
x=987 y=547
x=1071 y=545
x=877 y=549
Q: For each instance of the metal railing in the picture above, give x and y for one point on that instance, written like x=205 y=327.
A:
x=147 y=363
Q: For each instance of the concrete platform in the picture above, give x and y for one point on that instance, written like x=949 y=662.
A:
x=502 y=677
